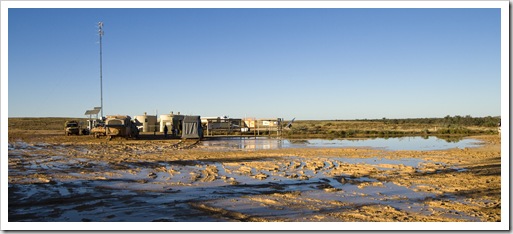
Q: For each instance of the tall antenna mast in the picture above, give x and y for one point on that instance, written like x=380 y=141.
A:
x=100 y=32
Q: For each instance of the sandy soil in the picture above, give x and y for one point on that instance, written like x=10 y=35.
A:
x=79 y=178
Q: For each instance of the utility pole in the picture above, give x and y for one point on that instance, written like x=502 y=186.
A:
x=100 y=32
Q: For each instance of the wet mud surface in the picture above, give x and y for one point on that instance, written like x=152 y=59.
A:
x=72 y=179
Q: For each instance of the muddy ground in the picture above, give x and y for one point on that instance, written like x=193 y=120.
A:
x=79 y=178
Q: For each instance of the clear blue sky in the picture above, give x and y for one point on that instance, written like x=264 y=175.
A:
x=303 y=63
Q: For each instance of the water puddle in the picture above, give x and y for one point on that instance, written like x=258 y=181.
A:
x=400 y=143
x=59 y=188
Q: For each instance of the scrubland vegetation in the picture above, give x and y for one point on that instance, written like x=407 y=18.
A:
x=447 y=126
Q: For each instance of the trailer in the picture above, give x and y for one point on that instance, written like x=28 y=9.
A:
x=121 y=126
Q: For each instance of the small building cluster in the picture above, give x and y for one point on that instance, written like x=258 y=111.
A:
x=185 y=126
x=249 y=126
x=194 y=126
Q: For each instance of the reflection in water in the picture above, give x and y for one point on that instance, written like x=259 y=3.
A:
x=299 y=141
x=451 y=138
x=400 y=143
x=250 y=143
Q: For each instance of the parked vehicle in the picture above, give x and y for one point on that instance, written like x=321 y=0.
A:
x=120 y=126
x=98 y=130
x=71 y=128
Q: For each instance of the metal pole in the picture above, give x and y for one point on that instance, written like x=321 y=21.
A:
x=100 y=32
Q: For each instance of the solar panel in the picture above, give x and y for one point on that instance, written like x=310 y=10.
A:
x=92 y=112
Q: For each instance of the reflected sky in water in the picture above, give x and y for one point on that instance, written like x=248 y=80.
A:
x=399 y=143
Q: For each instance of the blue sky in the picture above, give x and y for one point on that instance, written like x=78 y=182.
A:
x=303 y=63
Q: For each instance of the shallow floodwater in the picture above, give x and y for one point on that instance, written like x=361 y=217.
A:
x=47 y=185
x=172 y=193
x=399 y=143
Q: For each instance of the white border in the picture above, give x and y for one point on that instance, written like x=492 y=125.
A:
x=268 y=226
x=505 y=118
x=4 y=136
x=503 y=225
x=254 y=4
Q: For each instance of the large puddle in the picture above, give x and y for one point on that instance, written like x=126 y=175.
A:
x=59 y=183
x=275 y=188
x=400 y=143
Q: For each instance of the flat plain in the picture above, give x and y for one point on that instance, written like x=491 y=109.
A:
x=58 y=178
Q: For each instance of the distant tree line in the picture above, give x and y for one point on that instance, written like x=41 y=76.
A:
x=448 y=121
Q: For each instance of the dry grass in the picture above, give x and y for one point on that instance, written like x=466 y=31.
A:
x=50 y=123
x=373 y=128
